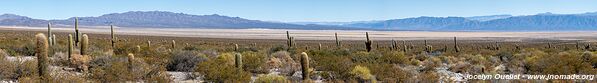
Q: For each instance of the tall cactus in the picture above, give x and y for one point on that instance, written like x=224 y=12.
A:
x=549 y=45
x=428 y=48
x=84 y=44
x=338 y=45
x=394 y=44
x=319 y=47
x=577 y=46
x=236 y=47
x=289 y=40
x=70 y=45
x=497 y=46
x=113 y=37
x=292 y=43
x=50 y=34
x=173 y=44
x=368 y=42
x=305 y=66
x=404 y=48
x=148 y=44
x=131 y=60
x=41 y=51
x=238 y=61
x=456 y=48
x=77 y=34
x=425 y=42
x=588 y=46
x=53 y=39
x=138 y=49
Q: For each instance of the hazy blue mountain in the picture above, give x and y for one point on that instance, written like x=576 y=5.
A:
x=540 y=22
x=162 y=19
x=588 y=14
x=419 y=23
x=488 y=18
x=16 y=20
x=334 y=23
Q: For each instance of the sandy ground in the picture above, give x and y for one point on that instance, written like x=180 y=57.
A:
x=323 y=34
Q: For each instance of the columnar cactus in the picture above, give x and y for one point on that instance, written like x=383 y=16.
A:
x=53 y=39
x=306 y=47
x=238 y=61
x=138 y=49
x=236 y=47
x=41 y=51
x=588 y=46
x=456 y=48
x=131 y=59
x=425 y=42
x=368 y=42
x=404 y=48
x=319 y=47
x=428 y=48
x=394 y=44
x=289 y=40
x=173 y=44
x=50 y=34
x=338 y=45
x=113 y=37
x=148 y=44
x=292 y=43
x=70 y=45
x=497 y=46
x=577 y=46
x=305 y=66
x=77 y=34
x=84 y=44
x=548 y=45
x=445 y=48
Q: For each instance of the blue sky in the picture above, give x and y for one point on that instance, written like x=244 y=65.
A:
x=298 y=10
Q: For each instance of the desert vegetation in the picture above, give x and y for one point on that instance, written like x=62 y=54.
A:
x=30 y=56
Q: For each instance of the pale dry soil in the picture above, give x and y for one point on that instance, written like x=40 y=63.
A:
x=323 y=34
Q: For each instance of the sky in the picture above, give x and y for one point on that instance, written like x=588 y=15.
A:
x=298 y=10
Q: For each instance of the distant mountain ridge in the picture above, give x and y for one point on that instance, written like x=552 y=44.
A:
x=540 y=22
x=161 y=19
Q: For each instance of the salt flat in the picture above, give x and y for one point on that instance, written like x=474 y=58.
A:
x=322 y=34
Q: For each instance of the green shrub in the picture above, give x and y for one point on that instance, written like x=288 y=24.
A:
x=561 y=63
x=394 y=58
x=184 y=61
x=333 y=67
x=271 y=78
x=389 y=72
x=254 y=61
x=8 y=69
x=214 y=70
x=27 y=69
x=362 y=73
x=116 y=69
x=365 y=57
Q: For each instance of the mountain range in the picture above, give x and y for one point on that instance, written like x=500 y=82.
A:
x=539 y=22
x=162 y=19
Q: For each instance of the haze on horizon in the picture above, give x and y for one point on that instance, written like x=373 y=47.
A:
x=299 y=11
